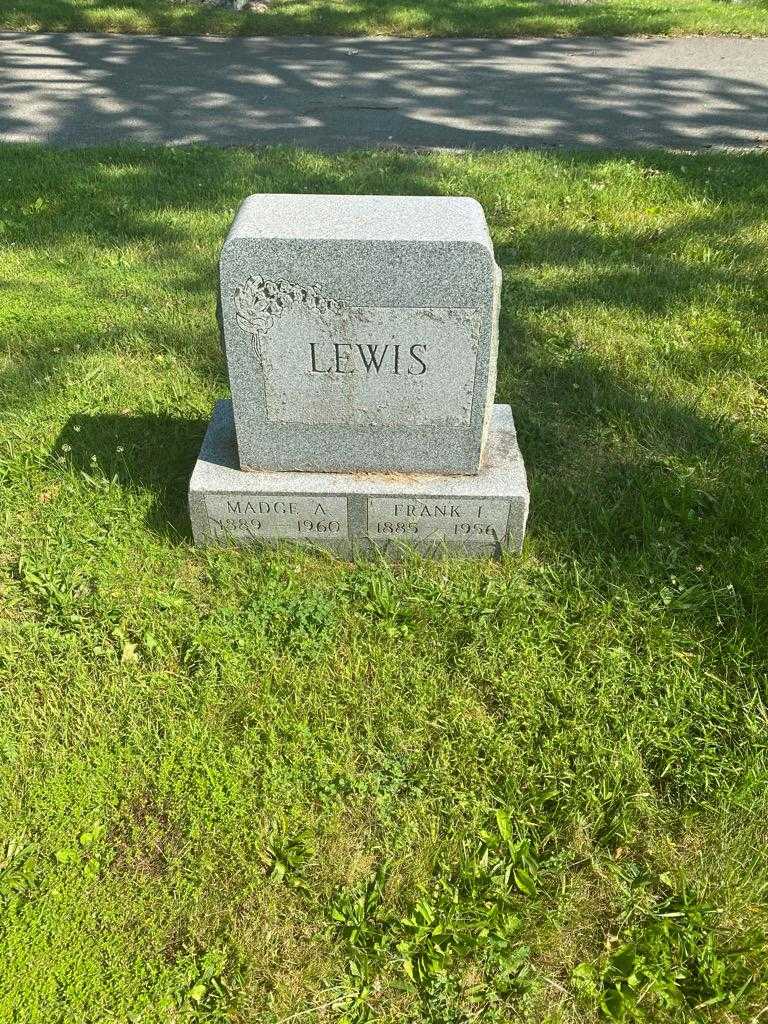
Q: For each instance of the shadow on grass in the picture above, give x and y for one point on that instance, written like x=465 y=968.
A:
x=617 y=467
x=681 y=496
x=149 y=453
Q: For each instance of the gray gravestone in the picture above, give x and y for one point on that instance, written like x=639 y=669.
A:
x=360 y=332
x=360 y=335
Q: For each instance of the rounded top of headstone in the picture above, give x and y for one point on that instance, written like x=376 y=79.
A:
x=367 y=218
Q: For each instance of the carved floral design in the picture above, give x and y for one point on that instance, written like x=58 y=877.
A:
x=259 y=303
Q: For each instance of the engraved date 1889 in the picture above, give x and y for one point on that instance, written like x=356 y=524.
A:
x=273 y=516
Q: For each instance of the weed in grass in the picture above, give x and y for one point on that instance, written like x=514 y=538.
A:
x=17 y=871
x=674 y=957
x=285 y=859
x=457 y=945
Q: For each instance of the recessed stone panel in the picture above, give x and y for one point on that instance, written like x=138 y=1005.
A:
x=248 y=517
x=358 y=366
x=423 y=519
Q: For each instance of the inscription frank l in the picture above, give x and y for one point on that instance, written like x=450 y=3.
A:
x=457 y=522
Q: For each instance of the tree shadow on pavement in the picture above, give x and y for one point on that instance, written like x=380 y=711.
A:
x=328 y=94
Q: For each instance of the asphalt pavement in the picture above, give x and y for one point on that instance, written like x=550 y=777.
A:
x=331 y=94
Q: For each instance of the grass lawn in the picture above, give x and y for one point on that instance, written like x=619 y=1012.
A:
x=384 y=17
x=274 y=786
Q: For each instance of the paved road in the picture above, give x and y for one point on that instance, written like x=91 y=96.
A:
x=335 y=93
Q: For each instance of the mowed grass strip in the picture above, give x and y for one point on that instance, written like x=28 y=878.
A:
x=385 y=17
x=271 y=785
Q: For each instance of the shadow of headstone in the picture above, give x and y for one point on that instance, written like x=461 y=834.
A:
x=152 y=453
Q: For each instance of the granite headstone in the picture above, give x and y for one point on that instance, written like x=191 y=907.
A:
x=360 y=334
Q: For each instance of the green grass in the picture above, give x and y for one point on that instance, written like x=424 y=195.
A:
x=383 y=17
x=239 y=786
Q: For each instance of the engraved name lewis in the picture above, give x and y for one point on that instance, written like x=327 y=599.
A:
x=325 y=361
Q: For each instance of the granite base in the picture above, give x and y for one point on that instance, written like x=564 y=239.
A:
x=359 y=513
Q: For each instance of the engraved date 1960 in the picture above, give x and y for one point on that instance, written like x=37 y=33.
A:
x=273 y=516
